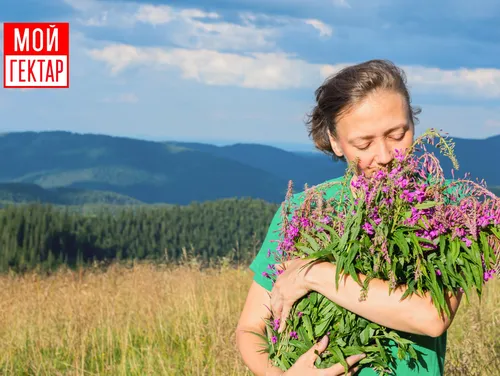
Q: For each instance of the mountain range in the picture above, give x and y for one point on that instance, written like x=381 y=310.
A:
x=70 y=168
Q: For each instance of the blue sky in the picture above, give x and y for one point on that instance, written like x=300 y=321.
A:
x=227 y=71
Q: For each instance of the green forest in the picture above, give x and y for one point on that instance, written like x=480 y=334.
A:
x=43 y=236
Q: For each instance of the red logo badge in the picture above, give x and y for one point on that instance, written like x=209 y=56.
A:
x=36 y=55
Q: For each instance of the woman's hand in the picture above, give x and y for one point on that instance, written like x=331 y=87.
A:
x=304 y=366
x=290 y=285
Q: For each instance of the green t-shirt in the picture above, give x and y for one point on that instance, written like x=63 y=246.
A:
x=432 y=350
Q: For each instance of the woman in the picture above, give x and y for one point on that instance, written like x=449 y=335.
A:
x=365 y=112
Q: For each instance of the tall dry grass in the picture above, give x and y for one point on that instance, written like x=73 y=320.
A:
x=150 y=320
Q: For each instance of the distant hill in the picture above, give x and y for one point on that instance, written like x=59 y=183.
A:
x=29 y=192
x=474 y=156
x=301 y=167
x=66 y=164
x=151 y=172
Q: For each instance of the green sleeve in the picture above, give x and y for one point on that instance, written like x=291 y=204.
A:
x=458 y=190
x=267 y=252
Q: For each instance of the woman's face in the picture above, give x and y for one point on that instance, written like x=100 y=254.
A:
x=373 y=129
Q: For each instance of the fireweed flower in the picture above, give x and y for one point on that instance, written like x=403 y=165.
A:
x=406 y=225
x=368 y=228
x=276 y=324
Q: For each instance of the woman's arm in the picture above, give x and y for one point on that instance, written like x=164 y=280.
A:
x=415 y=314
x=252 y=320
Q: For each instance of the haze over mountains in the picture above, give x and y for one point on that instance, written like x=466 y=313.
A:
x=58 y=166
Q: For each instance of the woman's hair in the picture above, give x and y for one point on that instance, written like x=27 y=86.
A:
x=343 y=90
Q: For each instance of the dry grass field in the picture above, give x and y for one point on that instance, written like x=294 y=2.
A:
x=151 y=320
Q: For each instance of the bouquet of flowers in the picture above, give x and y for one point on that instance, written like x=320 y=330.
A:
x=406 y=224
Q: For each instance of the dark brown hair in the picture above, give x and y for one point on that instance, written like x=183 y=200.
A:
x=343 y=90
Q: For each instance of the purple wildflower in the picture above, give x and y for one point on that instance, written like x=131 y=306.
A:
x=489 y=274
x=379 y=175
x=276 y=324
x=368 y=228
x=399 y=155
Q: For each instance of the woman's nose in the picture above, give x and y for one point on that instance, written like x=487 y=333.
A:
x=384 y=154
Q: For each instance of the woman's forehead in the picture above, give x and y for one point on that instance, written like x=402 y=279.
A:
x=378 y=113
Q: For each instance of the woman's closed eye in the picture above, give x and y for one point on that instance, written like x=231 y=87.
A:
x=399 y=136
x=362 y=147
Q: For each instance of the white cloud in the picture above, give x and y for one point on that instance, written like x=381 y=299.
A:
x=196 y=13
x=324 y=29
x=98 y=20
x=282 y=71
x=161 y=14
x=93 y=13
x=256 y=70
x=471 y=121
x=478 y=82
x=223 y=36
x=216 y=52
x=155 y=15
x=483 y=82
x=193 y=27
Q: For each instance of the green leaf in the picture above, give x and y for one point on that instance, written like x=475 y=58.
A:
x=485 y=247
x=338 y=270
x=444 y=273
x=308 y=326
x=382 y=350
x=335 y=236
x=301 y=331
x=416 y=244
x=426 y=205
x=401 y=243
x=364 y=336
x=304 y=249
x=300 y=345
x=323 y=237
x=354 y=274
x=353 y=251
x=340 y=356
x=495 y=232
x=319 y=329
x=312 y=242
x=442 y=245
x=437 y=290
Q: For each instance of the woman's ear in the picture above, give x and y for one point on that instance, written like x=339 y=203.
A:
x=335 y=145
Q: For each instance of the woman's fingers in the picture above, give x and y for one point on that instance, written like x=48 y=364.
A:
x=353 y=359
x=284 y=314
x=313 y=353
x=276 y=303
x=329 y=372
x=338 y=369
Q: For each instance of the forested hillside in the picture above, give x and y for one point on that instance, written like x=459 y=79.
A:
x=44 y=236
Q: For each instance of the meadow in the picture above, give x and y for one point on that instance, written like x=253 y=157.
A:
x=145 y=319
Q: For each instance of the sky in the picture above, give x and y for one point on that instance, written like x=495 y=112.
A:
x=226 y=71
